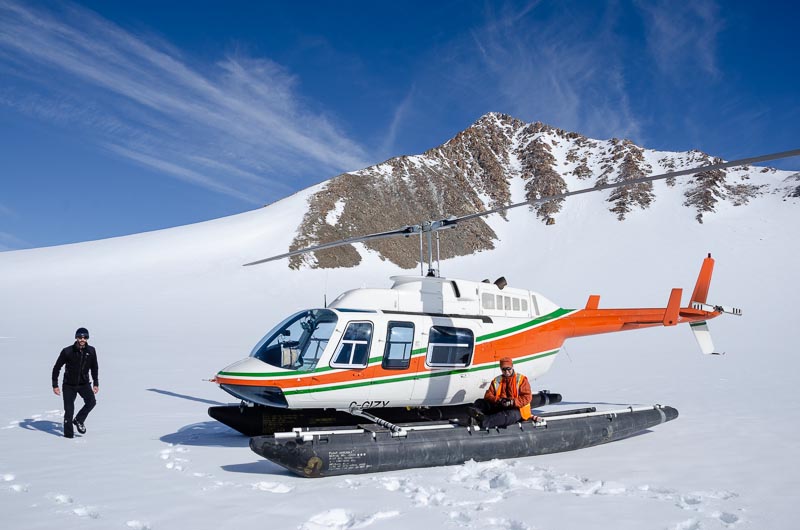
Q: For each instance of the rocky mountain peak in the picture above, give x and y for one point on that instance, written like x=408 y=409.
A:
x=475 y=170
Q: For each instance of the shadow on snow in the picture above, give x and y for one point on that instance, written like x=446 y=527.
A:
x=207 y=434
x=55 y=428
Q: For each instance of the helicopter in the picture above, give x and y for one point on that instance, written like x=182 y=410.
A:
x=431 y=342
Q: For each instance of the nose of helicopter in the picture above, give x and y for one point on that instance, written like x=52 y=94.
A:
x=246 y=380
x=270 y=396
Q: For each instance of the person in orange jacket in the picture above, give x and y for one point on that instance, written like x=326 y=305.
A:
x=507 y=400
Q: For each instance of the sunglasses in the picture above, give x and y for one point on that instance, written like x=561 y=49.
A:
x=82 y=336
x=509 y=369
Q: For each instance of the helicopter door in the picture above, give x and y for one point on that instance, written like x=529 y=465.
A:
x=351 y=357
x=450 y=351
x=399 y=343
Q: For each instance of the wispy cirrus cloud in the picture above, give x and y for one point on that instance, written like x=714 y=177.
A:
x=683 y=35
x=11 y=242
x=236 y=127
x=400 y=114
x=557 y=65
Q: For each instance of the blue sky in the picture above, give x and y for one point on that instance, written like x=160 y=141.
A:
x=123 y=117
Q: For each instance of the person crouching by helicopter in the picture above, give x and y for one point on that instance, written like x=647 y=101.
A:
x=78 y=359
x=507 y=400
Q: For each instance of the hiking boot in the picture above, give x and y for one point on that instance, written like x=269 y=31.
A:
x=80 y=426
x=68 y=430
x=476 y=414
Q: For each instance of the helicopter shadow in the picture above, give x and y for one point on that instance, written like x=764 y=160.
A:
x=206 y=434
x=185 y=396
x=45 y=426
x=260 y=467
x=593 y=403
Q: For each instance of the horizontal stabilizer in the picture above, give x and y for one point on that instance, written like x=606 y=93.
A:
x=703 y=336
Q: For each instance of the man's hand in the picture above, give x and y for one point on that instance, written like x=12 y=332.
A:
x=506 y=403
x=96 y=389
x=56 y=391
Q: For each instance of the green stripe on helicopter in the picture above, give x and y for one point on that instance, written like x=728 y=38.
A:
x=558 y=313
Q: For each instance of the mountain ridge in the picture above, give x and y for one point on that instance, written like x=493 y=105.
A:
x=477 y=169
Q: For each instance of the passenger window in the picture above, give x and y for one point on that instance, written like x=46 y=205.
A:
x=399 y=343
x=499 y=302
x=508 y=303
x=524 y=305
x=487 y=300
x=450 y=346
x=353 y=350
x=515 y=303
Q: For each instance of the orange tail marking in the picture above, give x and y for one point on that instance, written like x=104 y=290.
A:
x=593 y=302
x=673 y=307
x=700 y=293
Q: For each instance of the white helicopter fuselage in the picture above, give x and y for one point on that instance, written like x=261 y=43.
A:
x=426 y=341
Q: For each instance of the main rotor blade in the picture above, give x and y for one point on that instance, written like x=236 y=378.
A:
x=711 y=167
x=405 y=231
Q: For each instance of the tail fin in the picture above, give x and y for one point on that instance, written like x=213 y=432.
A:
x=700 y=293
x=699 y=297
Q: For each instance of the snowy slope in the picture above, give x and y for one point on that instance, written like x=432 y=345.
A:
x=167 y=309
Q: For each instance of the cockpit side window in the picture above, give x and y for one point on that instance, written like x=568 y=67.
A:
x=353 y=349
x=399 y=343
x=297 y=343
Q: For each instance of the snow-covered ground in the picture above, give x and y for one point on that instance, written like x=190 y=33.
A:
x=167 y=309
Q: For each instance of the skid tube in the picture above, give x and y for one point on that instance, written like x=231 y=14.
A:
x=368 y=448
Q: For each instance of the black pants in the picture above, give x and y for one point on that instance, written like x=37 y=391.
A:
x=70 y=392
x=497 y=417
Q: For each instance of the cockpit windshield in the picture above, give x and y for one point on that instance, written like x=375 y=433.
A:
x=297 y=343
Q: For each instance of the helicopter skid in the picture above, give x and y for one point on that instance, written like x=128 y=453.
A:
x=367 y=448
x=260 y=420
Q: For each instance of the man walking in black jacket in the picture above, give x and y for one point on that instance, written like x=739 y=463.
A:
x=78 y=359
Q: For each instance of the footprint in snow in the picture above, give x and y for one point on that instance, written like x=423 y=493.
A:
x=510 y=524
x=340 y=519
x=61 y=498
x=174 y=462
x=10 y=477
x=138 y=525
x=86 y=511
x=502 y=478
x=728 y=519
x=689 y=524
x=272 y=487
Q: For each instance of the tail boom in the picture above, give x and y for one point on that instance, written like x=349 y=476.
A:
x=592 y=320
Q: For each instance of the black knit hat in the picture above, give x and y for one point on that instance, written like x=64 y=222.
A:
x=82 y=332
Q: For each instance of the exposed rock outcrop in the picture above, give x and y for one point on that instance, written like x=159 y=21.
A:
x=474 y=172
